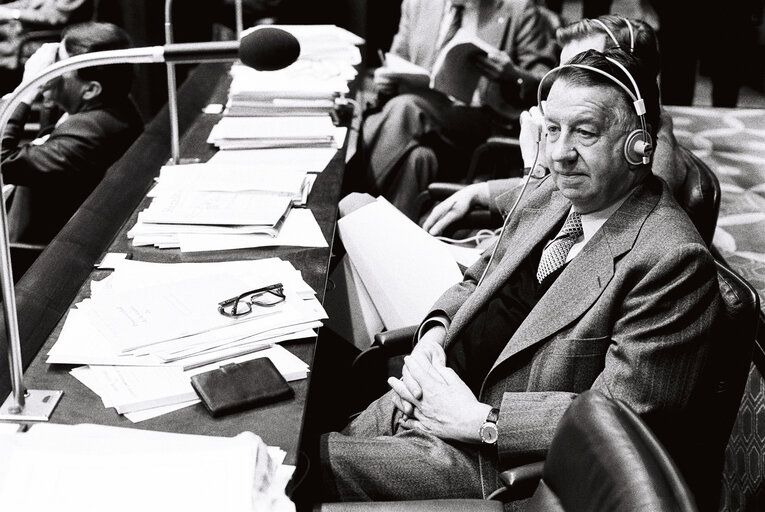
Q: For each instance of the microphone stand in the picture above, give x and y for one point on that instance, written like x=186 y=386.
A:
x=239 y=18
x=172 y=86
x=37 y=404
x=172 y=95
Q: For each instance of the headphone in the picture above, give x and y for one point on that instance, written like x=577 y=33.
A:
x=638 y=146
x=613 y=37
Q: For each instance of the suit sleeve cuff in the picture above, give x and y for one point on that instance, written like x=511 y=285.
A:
x=437 y=318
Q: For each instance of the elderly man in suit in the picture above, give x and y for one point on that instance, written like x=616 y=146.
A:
x=423 y=134
x=598 y=281
x=667 y=161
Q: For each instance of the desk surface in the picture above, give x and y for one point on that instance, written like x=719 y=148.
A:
x=61 y=276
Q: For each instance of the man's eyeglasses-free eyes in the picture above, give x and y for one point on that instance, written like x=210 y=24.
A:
x=243 y=304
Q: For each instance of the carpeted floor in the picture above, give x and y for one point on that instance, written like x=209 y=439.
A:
x=732 y=143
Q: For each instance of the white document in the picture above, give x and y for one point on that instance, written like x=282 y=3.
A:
x=229 y=178
x=300 y=229
x=90 y=467
x=311 y=160
x=403 y=268
x=222 y=208
x=130 y=389
x=271 y=128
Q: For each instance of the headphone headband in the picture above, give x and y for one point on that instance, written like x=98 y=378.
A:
x=613 y=37
x=632 y=35
x=608 y=31
x=637 y=102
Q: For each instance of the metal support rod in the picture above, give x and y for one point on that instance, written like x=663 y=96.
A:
x=172 y=95
x=239 y=19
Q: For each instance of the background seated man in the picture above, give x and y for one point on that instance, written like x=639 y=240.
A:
x=411 y=141
x=598 y=281
x=608 y=31
x=60 y=168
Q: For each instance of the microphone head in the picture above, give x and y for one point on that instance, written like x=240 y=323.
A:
x=268 y=49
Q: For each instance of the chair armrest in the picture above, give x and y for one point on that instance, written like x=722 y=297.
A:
x=395 y=338
x=439 y=191
x=519 y=482
x=512 y=142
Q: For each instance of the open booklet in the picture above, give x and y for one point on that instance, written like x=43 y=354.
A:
x=454 y=72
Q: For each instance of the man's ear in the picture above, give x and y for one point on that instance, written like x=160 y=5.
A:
x=92 y=90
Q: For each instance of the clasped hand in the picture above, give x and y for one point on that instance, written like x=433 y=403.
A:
x=432 y=396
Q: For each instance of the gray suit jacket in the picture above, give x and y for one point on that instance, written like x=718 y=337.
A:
x=514 y=26
x=629 y=316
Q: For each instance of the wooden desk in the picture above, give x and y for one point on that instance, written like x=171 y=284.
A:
x=61 y=276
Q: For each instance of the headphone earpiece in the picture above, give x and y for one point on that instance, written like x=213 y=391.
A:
x=638 y=147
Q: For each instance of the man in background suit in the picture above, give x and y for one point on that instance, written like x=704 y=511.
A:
x=598 y=281
x=59 y=169
x=422 y=134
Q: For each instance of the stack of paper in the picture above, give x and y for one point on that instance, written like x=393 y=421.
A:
x=214 y=206
x=95 y=467
x=276 y=132
x=149 y=326
x=307 y=87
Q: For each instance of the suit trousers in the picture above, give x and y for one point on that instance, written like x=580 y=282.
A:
x=374 y=459
x=417 y=139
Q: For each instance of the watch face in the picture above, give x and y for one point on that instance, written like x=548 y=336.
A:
x=489 y=433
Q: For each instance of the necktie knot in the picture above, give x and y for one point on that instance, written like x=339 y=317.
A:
x=455 y=22
x=573 y=226
x=555 y=254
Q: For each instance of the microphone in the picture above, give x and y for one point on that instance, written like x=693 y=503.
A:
x=265 y=49
x=200 y=52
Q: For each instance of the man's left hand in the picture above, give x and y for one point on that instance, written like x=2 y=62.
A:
x=497 y=67
x=448 y=409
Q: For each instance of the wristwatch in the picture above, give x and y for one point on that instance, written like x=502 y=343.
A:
x=488 y=431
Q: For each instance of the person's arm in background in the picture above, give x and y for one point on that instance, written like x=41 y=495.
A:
x=533 y=53
x=484 y=195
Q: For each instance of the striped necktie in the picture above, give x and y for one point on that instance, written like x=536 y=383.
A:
x=454 y=24
x=554 y=255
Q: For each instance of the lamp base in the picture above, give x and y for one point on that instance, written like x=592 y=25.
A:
x=38 y=406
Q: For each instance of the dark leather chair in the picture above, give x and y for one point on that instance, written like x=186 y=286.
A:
x=700 y=195
x=735 y=332
x=602 y=458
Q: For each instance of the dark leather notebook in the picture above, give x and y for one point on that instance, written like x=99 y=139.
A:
x=241 y=386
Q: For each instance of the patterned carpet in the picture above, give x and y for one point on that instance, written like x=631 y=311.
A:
x=732 y=143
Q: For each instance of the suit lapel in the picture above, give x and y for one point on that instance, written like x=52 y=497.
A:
x=522 y=237
x=580 y=284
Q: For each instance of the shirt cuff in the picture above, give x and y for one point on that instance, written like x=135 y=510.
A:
x=429 y=323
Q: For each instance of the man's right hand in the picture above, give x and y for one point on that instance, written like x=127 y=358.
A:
x=456 y=206
x=429 y=351
x=38 y=61
x=532 y=131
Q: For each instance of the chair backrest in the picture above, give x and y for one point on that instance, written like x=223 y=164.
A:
x=699 y=195
x=735 y=333
x=604 y=458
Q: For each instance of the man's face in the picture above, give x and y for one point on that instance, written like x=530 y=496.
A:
x=585 y=145
x=65 y=91
x=592 y=42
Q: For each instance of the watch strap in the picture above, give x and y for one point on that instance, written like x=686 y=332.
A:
x=493 y=416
